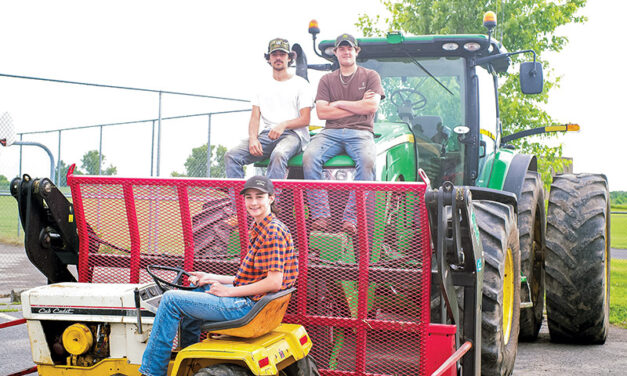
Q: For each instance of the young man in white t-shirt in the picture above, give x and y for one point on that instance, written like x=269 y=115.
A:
x=282 y=105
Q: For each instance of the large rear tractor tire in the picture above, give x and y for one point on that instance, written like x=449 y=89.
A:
x=577 y=259
x=531 y=230
x=501 y=286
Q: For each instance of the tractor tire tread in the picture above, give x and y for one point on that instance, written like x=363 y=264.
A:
x=498 y=231
x=531 y=227
x=577 y=274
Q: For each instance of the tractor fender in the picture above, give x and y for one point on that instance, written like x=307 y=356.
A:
x=507 y=198
x=517 y=171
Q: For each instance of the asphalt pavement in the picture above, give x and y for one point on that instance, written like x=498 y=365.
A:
x=618 y=253
x=538 y=358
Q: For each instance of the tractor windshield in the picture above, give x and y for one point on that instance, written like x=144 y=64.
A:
x=427 y=94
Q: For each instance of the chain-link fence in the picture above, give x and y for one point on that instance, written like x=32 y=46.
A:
x=159 y=146
x=173 y=142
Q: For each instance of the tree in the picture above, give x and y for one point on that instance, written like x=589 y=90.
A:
x=90 y=163
x=63 y=169
x=196 y=163
x=523 y=24
x=4 y=183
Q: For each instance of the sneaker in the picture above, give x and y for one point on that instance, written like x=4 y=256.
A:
x=320 y=224
x=349 y=228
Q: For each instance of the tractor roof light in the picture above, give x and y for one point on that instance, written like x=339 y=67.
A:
x=472 y=46
x=489 y=20
x=451 y=46
x=313 y=27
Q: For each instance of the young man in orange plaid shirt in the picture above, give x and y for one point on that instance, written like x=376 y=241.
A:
x=269 y=265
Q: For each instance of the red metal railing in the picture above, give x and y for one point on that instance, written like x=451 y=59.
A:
x=363 y=299
x=9 y=324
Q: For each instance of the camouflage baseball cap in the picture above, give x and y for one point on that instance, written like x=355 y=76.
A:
x=346 y=38
x=278 y=44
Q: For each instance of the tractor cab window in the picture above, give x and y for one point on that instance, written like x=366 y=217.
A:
x=427 y=94
x=488 y=120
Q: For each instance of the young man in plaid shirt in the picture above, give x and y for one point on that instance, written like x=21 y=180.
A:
x=269 y=265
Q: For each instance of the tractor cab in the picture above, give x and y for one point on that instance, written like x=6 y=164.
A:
x=430 y=119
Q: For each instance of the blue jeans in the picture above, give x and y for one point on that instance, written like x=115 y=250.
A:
x=358 y=144
x=191 y=308
x=279 y=151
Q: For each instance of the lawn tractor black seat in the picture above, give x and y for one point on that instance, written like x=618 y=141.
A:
x=427 y=125
x=265 y=316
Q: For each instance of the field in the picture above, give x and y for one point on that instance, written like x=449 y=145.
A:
x=618 y=293
x=619 y=227
x=8 y=220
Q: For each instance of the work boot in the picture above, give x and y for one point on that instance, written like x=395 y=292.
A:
x=349 y=228
x=320 y=224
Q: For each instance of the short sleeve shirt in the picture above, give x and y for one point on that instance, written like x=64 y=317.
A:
x=282 y=100
x=331 y=89
x=270 y=248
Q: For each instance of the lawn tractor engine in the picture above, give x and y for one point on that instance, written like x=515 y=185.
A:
x=81 y=324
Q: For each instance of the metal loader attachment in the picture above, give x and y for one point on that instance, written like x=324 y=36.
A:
x=47 y=218
x=458 y=267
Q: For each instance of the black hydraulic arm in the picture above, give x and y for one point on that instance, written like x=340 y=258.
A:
x=47 y=217
x=459 y=264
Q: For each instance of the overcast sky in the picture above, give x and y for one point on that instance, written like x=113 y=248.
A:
x=216 y=48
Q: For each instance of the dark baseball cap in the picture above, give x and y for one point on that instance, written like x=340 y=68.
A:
x=346 y=38
x=278 y=44
x=260 y=183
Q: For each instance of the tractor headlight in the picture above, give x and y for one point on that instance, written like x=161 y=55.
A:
x=341 y=174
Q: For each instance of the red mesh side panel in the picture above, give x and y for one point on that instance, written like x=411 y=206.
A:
x=363 y=296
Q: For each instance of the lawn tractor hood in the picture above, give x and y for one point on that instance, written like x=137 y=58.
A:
x=68 y=301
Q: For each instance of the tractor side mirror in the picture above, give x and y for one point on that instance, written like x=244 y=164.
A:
x=531 y=78
x=301 y=61
x=7 y=130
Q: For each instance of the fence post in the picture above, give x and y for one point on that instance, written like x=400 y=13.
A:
x=159 y=139
x=100 y=153
x=152 y=150
x=209 y=146
x=58 y=180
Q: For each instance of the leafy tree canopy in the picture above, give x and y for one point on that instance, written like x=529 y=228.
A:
x=196 y=163
x=522 y=25
x=90 y=163
x=4 y=183
x=618 y=198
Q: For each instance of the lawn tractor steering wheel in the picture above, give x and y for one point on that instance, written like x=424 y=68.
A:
x=176 y=283
x=408 y=101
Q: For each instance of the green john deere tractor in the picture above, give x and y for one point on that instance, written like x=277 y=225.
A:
x=441 y=115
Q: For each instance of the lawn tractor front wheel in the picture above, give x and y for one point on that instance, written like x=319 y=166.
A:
x=501 y=286
x=578 y=259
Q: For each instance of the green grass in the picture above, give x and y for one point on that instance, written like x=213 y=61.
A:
x=9 y=220
x=618 y=293
x=618 y=229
